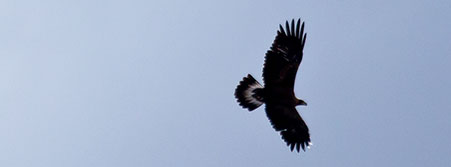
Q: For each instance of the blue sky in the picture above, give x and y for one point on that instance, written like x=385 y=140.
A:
x=151 y=83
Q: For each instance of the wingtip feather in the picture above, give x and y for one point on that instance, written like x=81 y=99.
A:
x=287 y=27
x=297 y=28
x=281 y=29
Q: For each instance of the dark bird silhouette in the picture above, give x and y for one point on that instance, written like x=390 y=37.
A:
x=279 y=72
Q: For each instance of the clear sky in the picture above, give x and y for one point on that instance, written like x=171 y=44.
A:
x=150 y=83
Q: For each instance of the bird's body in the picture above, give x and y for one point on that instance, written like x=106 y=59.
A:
x=279 y=73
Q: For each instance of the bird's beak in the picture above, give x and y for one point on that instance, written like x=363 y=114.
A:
x=302 y=103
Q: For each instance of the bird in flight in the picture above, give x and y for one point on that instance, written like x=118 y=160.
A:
x=279 y=72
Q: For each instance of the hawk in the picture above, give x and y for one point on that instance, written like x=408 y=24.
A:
x=279 y=72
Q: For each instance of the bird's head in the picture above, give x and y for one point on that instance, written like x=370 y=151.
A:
x=301 y=102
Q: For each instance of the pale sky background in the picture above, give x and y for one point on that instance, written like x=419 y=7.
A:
x=142 y=83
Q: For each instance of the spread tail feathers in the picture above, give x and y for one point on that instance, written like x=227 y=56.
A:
x=248 y=93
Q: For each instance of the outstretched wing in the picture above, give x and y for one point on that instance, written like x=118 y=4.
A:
x=293 y=129
x=283 y=59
